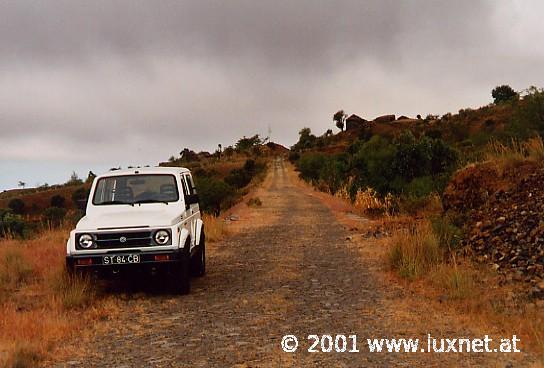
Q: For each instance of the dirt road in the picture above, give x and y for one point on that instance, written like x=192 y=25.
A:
x=291 y=272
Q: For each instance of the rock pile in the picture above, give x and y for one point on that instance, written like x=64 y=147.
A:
x=506 y=227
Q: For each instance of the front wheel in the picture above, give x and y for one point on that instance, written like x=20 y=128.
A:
x=180 y=277
x=198 y=262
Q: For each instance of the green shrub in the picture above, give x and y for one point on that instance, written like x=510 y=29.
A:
x=309 y=166
x=214 y=194
x=239 y=178
x=306 y=140
x=448 y=234
x=294 y=156
x=503 y=93
x=53 y=216
x=57 y=201
x=528 y=117
x=11 y=224
x=80 y=194
x=17 y=205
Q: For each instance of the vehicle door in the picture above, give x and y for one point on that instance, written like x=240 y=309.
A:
x=190 y=210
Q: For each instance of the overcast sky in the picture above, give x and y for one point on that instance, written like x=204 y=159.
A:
x=87 y=85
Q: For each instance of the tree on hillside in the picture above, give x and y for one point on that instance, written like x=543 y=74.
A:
x=245 y=143
x=306 y=140
x=339 y=119
x=21 y=184
x=74 y=179
x=503 y=93
x=528 y=117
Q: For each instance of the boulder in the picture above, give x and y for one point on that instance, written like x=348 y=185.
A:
x=385 y=119
x=355 y=122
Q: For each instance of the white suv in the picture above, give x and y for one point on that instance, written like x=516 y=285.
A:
x=141 y=219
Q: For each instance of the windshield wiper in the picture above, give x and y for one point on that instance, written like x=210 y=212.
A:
x=117 y=202
x=150 y=201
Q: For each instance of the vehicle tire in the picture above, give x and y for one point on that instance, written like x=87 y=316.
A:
x=70 y=268
x=181 y=273
x=198 y=261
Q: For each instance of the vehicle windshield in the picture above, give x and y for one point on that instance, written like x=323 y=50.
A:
x=138 y=188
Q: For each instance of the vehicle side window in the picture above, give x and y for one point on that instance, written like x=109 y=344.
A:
x=184 y=186
x=190 y=184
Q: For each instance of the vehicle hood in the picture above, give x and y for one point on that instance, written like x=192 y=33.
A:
x=137 y=216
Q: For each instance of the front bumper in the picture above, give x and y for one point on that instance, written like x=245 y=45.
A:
x=94 y=262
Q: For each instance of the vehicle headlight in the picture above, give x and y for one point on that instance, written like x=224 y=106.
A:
x=86 y=241
x=162 y=237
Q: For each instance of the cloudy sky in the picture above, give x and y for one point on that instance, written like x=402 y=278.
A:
x=94 y=84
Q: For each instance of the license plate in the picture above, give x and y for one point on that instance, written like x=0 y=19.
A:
x=121 y=259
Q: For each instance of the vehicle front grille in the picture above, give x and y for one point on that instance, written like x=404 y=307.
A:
x=131 y=239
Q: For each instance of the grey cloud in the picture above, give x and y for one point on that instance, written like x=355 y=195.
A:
x=113 y=82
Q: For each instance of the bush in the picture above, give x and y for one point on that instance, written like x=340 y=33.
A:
x=503 y=93
x=58 y=201
x=214 y=194
x=294 y=156
x=448 y=234
x=80 y=194
x=53 y=216
x=11 y=224
x=239 y=178
x=17 y=206
x=306 y=140
x=309 y=166
x=528 y=117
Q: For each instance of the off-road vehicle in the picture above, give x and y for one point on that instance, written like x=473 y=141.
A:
x=144 y=219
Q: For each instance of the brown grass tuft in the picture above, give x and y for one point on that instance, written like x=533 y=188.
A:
x=505 y=157
x=214 y=227
x=73 y=290
x=41 y=305
x=15 y=270
x=415 y=251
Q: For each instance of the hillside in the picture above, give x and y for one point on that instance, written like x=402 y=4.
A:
x=475 y=177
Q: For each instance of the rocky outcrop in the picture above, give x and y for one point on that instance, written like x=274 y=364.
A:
x=355 y=122
x=385 y=119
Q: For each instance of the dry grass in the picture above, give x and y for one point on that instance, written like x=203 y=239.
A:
x=254 y=202
x=216 y=229
x=505 y=157
x=41 y=304
x=415 y=251
x=368 y=202
x=455 y=280
x=421 y=253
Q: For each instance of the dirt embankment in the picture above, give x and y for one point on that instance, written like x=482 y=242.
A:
x=504 y=223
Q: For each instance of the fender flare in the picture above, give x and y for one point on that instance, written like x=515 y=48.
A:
x=183 y=237
x=199 y=229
